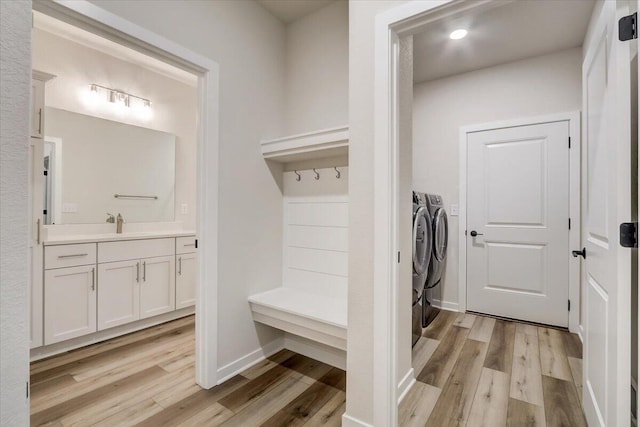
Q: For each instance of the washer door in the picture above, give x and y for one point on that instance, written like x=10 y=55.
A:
x=440 y=234
x=422 y=238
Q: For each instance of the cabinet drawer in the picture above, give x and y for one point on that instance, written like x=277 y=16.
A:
x=135 y=249
x=185 y=245
x=59 y=256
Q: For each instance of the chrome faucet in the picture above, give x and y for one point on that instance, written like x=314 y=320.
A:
x=119 y=224
x=110 y=218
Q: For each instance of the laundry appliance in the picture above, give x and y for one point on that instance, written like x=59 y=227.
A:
x=422 y=241
x=440 y=236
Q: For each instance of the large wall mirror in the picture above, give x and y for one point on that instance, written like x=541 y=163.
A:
x=95 y=167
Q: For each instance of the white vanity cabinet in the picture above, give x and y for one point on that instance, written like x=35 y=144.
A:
x=136 y=280
x=119 y=294
x=70 y=289
x=158 y=286
x=186 y=272
x=114 y=285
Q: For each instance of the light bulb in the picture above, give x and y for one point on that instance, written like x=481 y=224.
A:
x=458 y=34
x=91 y=97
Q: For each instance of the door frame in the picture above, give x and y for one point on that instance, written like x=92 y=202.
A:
x=573 y=118
x=94 y=19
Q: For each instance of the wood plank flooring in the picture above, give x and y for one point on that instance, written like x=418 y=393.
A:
x=475 y=370
x=471 y=370
x=147 y=379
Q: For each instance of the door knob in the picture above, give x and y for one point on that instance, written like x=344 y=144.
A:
x=582 y=253
x=474 y=233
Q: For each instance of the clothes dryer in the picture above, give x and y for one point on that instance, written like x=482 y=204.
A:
x=422 y=240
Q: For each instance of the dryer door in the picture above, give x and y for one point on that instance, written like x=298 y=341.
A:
x=440 y=234
x=422 y=238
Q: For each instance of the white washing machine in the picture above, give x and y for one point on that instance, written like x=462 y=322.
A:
x=422 y=240
x=440 y=235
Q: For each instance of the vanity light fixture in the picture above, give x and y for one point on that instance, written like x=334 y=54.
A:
x=122 y=102
x=458 y=34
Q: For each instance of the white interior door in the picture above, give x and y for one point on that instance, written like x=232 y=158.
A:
x=36 y=250
x=517 y=222
x=606 y=203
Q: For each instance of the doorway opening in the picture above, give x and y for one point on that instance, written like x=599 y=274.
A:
x=398 y=36
x=139 y=263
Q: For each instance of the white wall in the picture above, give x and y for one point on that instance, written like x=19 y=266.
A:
x=536 y=86
x=248 y=43
x=174 y=103
x=361 y=133
x=15 y=80
x=317 y=70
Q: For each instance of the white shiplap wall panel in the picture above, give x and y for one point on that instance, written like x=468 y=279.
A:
x=328 y=238
x=316 y=218
x=319 y=213
x=319 y=261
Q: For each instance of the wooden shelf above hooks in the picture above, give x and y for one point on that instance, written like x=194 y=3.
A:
x=307 y=146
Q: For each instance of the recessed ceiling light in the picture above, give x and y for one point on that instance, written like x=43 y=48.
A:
x=458 y=34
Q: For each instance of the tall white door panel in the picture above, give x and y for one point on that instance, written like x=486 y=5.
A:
x=606 y=203
x=36 y=250
x=69 y=303
x=517 y=222
x=118 y=293
x=157 y=286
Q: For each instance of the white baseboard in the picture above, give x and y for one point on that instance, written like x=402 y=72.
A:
x=405 y=385
x=248 y=360
x=315 y=350
x=446 y=305
x=38 y=353
x=349 y=421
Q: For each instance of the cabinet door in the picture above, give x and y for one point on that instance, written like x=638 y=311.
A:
x=118 y=293
x=158 y=286
x=69 y=303
x=37 y=108
x=186 y=279
x=36 y=205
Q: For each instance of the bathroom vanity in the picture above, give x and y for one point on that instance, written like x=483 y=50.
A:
x=96 y=283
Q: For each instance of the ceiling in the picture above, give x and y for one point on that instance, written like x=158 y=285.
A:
x=61 y=29
x=288 y=11
x=508 y=32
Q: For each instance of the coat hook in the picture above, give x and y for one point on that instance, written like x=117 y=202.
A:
x=337 y=172
x=317 y=174
x=298 y=177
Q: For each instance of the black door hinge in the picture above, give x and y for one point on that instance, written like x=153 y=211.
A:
x=569 y=223
x=44 y=212
x=569 y=305
x=196 y=243
x=628 y=27
x=569 y=142
x=629 y=234
x=46 y=173
x=27 y=389
x=398 y=257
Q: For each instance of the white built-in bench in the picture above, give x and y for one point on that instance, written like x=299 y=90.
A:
x=315 y=317
x=312 y=300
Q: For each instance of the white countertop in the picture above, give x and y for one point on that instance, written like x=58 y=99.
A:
x=89 y=238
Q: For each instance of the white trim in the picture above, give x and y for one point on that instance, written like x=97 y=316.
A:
x=349 y=421
x=573 y=118
x=85 y=15
x=42 y=352
x=306 y=146
x=315 y=350
x=405 y=385
x=445 y=305
x=243 y=363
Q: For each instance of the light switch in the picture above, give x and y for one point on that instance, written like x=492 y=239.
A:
x=184 y=209
x=69 y=207
x=454 y=211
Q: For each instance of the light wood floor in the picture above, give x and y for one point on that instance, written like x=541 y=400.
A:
x=471 y=370
x=147 y=379
x=480 y=371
